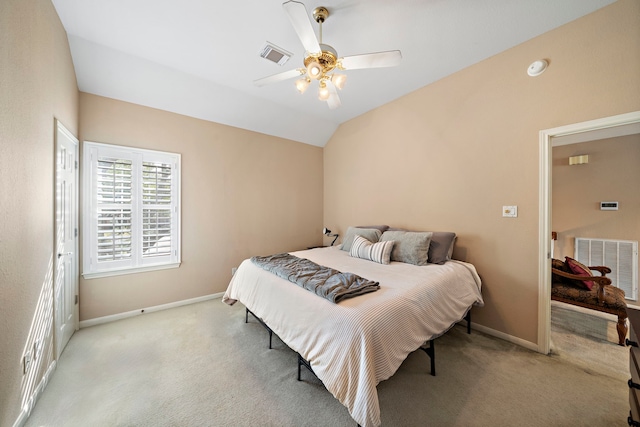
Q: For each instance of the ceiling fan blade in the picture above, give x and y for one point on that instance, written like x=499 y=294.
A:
x=334 y=100
x=299 y=18
x=390 y=58
x=279 y=77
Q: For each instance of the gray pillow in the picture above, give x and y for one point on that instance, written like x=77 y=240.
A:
x=370 y=234
x=441 y=246
x=382 y=228
x=411 y=247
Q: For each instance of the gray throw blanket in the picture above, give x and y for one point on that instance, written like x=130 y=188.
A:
x=324 y=281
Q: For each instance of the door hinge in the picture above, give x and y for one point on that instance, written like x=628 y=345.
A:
x=75 y=231
x=76 y=302
x=76 y=163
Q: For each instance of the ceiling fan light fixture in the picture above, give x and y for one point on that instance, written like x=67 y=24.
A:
x=323 y=92
x=339 y=80
x=320 y=59
x=302 y=84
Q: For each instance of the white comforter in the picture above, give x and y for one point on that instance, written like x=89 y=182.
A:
x=355 y=344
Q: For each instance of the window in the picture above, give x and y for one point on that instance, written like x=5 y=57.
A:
x=131 y=210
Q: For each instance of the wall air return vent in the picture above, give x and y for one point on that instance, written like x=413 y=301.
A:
x=621 y=256
x=275 y=54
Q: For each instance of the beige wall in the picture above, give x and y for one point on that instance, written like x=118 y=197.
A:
x=612 y=174
x=37 y=84
x=448 y=156
x=243 y=194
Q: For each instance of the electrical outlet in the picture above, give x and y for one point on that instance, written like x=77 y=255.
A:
x=26 y=362
x=37 y=349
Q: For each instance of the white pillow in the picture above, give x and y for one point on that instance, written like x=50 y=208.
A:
x=378 y=252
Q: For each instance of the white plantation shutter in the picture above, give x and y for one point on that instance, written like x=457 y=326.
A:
x=113 y=188
x=132 y=206
x=156 y=210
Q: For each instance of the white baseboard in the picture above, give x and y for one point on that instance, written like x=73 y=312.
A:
x=31 y=403
x=119 y=316
x=510 y=338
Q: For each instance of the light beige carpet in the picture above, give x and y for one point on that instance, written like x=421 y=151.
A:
x=588 y=339
x=201 y=365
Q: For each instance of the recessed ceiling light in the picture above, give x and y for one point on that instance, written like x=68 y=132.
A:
x=537 y=67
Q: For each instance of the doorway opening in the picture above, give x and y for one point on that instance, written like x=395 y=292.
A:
x=609 y=127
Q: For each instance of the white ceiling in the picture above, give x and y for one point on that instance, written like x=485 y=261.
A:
x=200 y=57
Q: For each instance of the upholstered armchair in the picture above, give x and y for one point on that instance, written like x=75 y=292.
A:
x=573 y=283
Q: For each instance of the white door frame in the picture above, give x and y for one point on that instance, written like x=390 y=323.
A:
x=58 y=345
x=597 y=129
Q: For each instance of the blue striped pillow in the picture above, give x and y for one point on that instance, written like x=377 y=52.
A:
x=378 y=252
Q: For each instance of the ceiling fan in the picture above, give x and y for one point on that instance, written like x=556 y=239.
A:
x=321 y=60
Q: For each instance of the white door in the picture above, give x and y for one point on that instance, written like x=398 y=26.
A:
x=66 y=238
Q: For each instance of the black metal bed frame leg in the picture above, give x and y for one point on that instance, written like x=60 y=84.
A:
x=303 y=361
x=246 y=320
x=431 y=352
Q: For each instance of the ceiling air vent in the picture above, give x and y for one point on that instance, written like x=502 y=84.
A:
x=275 y=54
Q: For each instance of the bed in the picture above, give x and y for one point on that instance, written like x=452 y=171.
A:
x=353 y=345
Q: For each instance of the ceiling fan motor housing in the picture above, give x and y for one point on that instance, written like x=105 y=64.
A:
x=328 y=59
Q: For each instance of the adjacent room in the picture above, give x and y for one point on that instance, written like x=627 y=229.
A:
x=596 y=233
x=148 y=149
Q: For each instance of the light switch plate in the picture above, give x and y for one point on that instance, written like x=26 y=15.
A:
x=510 y=211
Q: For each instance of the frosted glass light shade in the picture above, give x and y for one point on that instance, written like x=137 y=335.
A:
x=323 y=92
x=582 y=159
x=339 y=80
x=302 y=84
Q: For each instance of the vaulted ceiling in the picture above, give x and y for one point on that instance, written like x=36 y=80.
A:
x=200 y=57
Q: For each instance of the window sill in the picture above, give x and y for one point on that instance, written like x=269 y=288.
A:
x=134 y=270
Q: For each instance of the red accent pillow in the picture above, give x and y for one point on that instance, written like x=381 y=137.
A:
x=580 y=269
